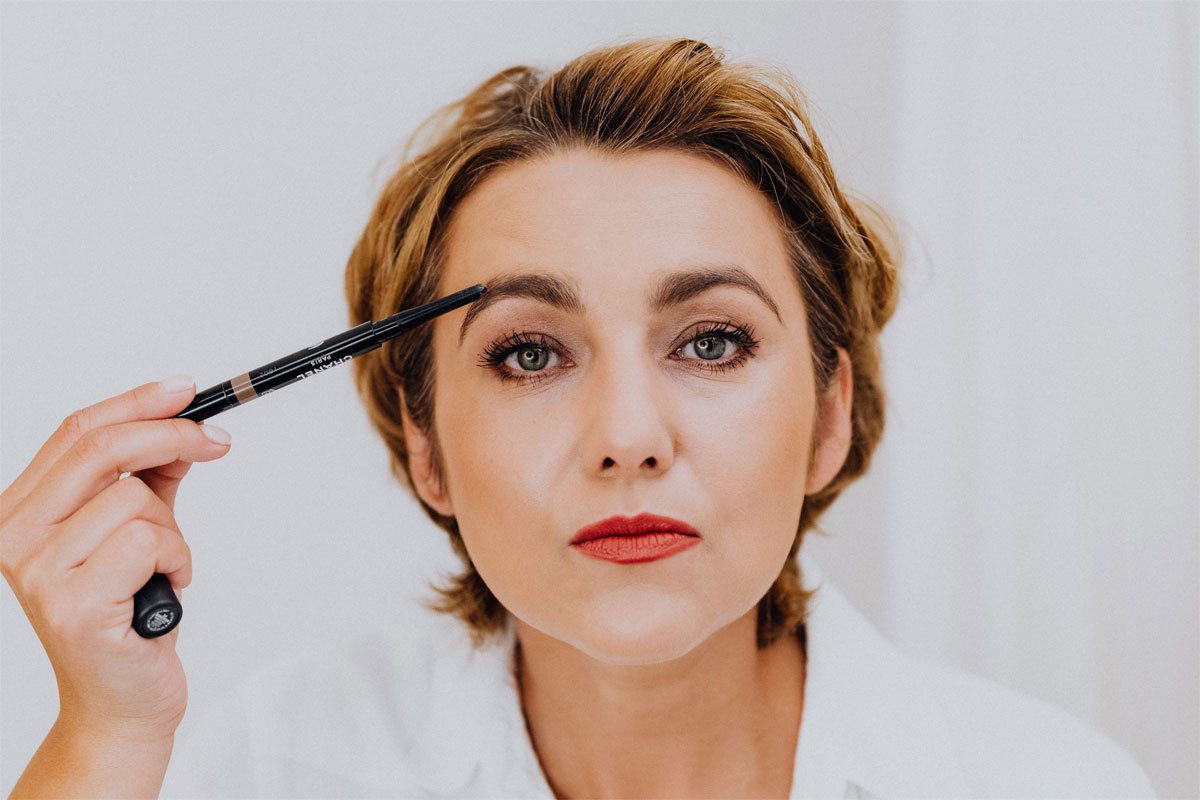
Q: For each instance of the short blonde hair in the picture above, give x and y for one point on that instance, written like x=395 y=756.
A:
x=637 y=95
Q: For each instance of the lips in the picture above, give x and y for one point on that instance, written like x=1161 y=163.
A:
x=633 y=526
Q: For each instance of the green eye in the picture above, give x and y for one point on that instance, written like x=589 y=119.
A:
x=540 y=356
x=710 y=347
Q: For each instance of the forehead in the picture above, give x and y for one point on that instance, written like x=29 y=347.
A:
x=603 y=209
x=623 y=216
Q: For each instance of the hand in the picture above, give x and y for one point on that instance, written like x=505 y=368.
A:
x=77 y=540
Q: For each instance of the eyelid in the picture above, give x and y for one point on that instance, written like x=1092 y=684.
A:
x=517 y=337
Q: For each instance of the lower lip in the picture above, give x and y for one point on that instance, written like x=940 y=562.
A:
x=637 y=549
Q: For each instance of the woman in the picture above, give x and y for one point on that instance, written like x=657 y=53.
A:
x=674 y=371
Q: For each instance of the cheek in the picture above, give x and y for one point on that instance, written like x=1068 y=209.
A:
x=751 y=446
x=503 y=479
x=750 y=453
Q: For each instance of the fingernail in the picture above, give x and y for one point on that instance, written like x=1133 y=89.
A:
x=176 y=383
x=218 y=435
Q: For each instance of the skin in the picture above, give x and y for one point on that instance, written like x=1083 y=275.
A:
x=637 y=680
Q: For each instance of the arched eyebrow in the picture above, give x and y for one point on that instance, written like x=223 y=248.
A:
x=561 y=292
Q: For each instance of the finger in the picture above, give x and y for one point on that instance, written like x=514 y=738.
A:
x=100 y=456
x=164 y=480
x=74 y=540
x=148 y=401
x=125 y=560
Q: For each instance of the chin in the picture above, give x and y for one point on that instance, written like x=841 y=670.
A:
x=632 y=652
x=639 y=625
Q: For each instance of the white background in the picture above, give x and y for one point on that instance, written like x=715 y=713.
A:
x=181 y=186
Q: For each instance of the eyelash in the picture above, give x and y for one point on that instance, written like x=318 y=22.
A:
x=498 y=352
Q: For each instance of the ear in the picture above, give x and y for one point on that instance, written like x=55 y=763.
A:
x=832 y=434
x=420 y=464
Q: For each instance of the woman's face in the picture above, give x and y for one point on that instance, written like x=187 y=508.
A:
x=642 y=396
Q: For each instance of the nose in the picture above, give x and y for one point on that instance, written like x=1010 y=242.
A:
x=627 y=427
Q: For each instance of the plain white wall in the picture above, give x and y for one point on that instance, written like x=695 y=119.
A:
x=181 y=184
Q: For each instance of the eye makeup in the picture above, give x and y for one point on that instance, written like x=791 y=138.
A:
x=495 y=355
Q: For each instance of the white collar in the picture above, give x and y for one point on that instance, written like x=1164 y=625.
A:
x=464 y=684
x=871 y=727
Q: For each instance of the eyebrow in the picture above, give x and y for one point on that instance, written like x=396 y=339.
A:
x=560 y=292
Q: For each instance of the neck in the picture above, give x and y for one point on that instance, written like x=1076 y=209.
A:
x=721 y=721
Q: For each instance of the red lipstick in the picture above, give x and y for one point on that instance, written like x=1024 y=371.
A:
x=633 y=540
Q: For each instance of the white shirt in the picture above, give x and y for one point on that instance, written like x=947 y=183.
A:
x=428 y=716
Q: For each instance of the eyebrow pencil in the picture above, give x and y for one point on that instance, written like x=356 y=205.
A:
x=156 y=609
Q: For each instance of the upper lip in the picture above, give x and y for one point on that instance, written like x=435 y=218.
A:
x=629 y=526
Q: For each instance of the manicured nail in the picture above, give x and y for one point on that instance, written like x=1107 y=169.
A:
x=177 y=383
x=218 y=435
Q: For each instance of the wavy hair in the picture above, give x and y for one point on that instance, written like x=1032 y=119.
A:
x=630 y=96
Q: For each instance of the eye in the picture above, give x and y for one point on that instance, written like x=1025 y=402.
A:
x=712 y=342
x=525 y=358
x=520 y=357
